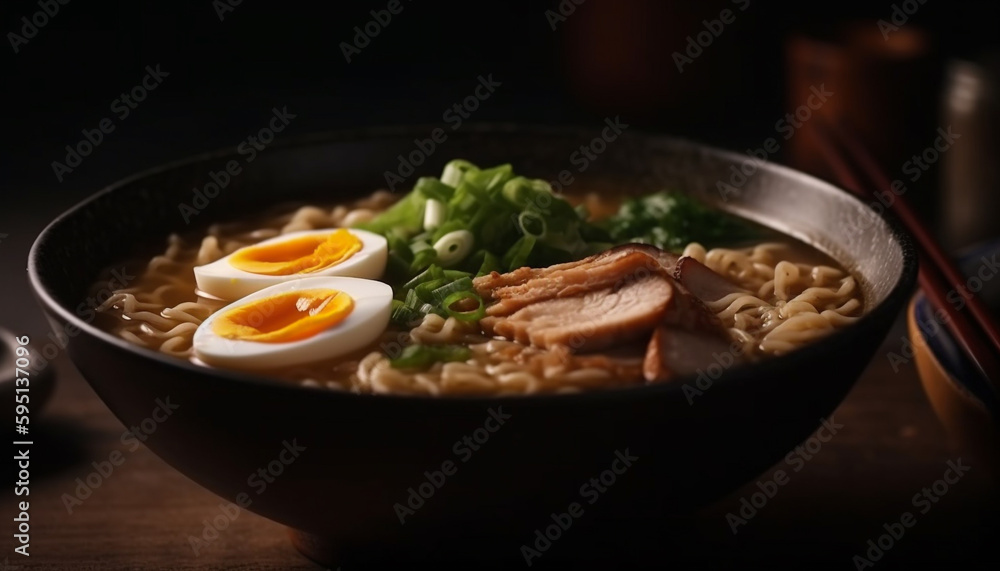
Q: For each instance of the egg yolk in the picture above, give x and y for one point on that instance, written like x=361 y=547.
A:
x=285 y=317
x=301 y=255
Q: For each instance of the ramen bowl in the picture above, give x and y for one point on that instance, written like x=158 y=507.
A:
x=358 y=476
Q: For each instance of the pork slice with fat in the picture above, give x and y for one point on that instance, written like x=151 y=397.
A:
x=702 y=281
x=689 y=339
x=611 y=272
x=486 y=286
x=590 y=321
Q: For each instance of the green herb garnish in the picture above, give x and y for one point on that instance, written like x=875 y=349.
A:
x=672 y=220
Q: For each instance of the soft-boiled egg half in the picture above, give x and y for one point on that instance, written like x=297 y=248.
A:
x=299 y=321
x=329 y=252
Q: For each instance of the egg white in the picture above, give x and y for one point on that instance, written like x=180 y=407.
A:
x=222 y=280
x=368 y=319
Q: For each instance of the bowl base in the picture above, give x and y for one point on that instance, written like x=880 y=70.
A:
x=588 y=543
x=318 y=549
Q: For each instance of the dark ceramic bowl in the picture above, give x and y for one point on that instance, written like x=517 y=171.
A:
x=362 y=454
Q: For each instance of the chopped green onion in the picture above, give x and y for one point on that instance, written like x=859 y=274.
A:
x=490 y=264
x=419 y=246
x=474 y=315
x=411 y=300
x=492 y=179
x=447 y=228
x=406 y=216
x=431 y=308
x=474 y=221
x=464 y=200
x=517 y=191
x=442 y=293
x=453 y=247
x=517 y=255
x=527 y=193
x=423 y=259
x=432 y=188
x=532 y=224
x=424 y=236
x=418 y=279
x=423 y=356
x=424 y=290
x=434 y=214
x=404 y=316
x=455 y=171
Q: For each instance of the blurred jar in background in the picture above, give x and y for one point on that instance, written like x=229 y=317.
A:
x=619 y=59
x=885 y=90
x=971 y=170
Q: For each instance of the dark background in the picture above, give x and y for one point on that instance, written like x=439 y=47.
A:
x=608 y=58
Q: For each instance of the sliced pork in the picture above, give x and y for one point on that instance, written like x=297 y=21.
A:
x=610 y=301
x=610 y=271
x=688 y=339
x=702 y=281
x=591 y=320
x=488 y=284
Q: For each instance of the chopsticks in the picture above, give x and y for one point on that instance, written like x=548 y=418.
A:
x=975 y=329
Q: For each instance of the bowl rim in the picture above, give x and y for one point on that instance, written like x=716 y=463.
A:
x=897 y=296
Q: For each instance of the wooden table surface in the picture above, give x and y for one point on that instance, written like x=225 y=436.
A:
x=890 y=447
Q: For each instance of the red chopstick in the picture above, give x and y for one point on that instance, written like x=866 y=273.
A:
x=974 y=330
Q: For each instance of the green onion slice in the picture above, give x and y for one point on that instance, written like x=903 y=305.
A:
x=440 y=294
x=517 y=255
x=474 y=315
x=453 y=247
x=455 y=171
x=423 y=356
x=532 y=224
